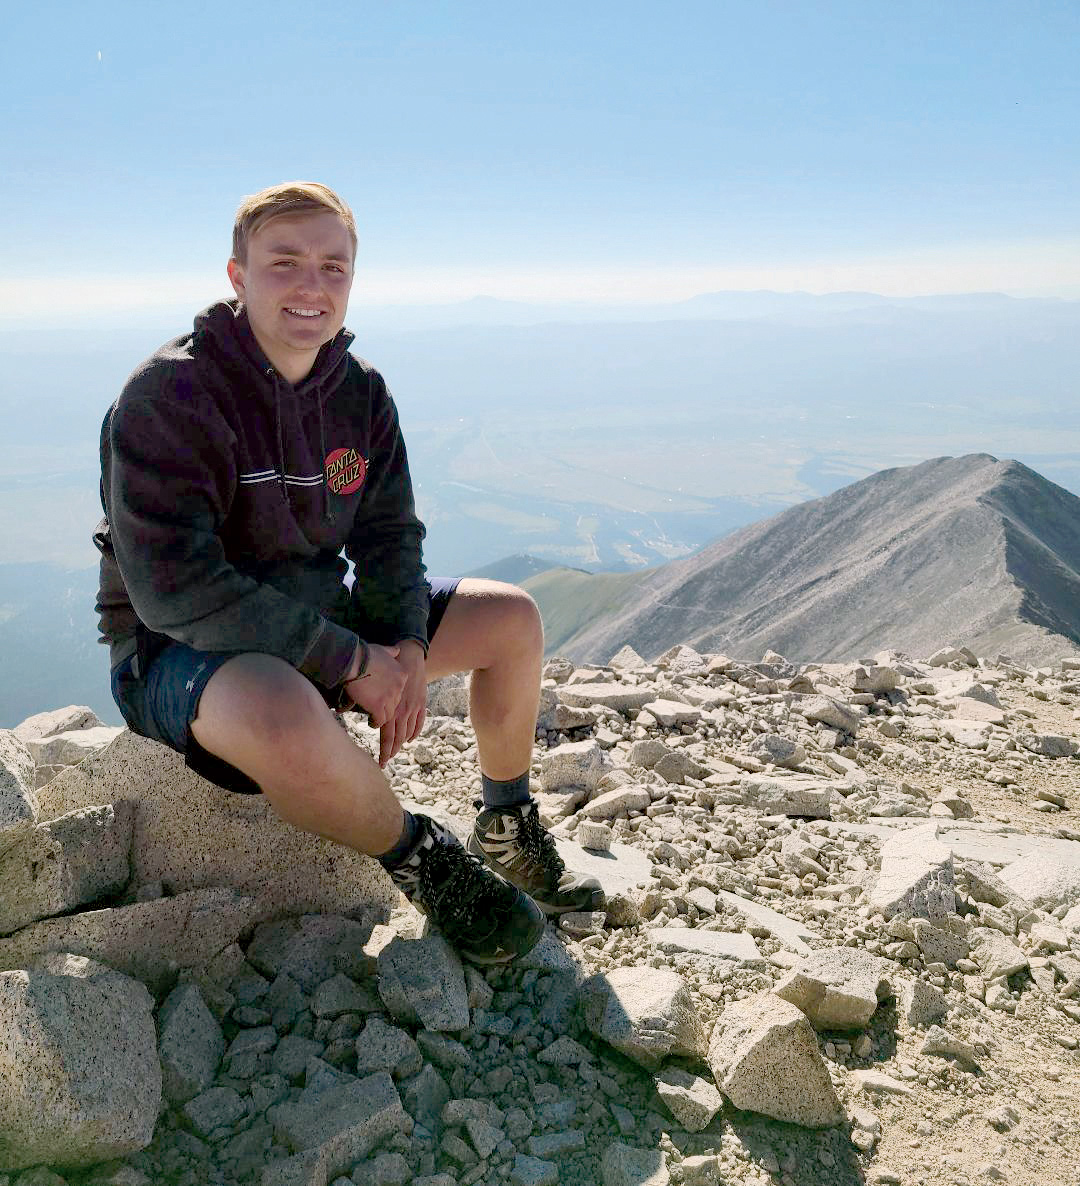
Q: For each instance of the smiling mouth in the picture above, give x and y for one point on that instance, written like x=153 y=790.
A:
x=310 y=314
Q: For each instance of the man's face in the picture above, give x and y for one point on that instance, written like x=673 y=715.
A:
x=295 y=287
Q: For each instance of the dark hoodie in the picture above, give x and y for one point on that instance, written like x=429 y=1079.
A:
x=229 y=495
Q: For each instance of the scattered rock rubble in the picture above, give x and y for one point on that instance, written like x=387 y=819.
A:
x=841 y=944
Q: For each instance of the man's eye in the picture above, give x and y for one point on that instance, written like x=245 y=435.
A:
x=283 y=263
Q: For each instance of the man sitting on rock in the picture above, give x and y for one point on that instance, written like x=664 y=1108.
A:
x=238 y=464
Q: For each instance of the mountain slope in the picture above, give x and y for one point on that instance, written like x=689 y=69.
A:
x=971 y=548
x=570 y=599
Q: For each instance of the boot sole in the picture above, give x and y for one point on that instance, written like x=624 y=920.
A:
x=597 y=901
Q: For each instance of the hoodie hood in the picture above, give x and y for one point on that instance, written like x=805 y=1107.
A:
x=224 y=331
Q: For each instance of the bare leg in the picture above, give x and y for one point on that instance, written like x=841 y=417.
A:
x=494 y=630
x=266 y=719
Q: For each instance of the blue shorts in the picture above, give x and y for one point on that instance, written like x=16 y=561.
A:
x=162 y=703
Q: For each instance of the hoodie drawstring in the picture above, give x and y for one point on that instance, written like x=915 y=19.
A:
x=272 y=375
x=322 y=454
x=279 y=432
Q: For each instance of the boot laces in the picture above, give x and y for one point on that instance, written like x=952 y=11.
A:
x=539 y=846
x=460 y=893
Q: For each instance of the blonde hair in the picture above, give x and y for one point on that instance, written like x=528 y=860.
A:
x=288 y=197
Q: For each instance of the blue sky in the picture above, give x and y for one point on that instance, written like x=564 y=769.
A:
x=608 y=150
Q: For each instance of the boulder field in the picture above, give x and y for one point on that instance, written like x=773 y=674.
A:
x=841 y=944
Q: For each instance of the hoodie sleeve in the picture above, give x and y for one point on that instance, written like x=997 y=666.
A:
x=168 y=482
x=384 y=545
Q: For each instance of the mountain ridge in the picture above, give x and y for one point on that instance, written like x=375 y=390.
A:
x=911 y=557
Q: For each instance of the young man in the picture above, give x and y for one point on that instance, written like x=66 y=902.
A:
x=238 y=463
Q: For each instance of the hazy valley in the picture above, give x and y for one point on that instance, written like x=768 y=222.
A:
x=608 y=439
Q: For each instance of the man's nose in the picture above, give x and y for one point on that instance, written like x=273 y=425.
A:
x=309 y=278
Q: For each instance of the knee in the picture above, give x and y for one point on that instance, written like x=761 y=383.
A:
x=520 y=618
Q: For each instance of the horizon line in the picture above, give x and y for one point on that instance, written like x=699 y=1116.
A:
x=1022 y=269
x=188 y=297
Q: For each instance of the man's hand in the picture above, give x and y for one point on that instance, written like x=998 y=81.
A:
x=393 y=692
x=408 y=718
x=378 y=691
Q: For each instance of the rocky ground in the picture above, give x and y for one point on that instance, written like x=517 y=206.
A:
x=842 y=945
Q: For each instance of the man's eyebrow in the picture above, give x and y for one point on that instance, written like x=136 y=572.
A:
x=284 y=249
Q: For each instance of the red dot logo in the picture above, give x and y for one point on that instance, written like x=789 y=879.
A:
x=345 y=471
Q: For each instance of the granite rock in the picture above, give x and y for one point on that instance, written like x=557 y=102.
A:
x=692 y=1100
x=422 y=981
x=65 y=863
x=18 y=802
x=80 y=1080
x=645 y=1013
x=628 y=1165
x=916 y=876
x=190 y=834
x=764 y=1057
x=190 y=1044
x=837 y=989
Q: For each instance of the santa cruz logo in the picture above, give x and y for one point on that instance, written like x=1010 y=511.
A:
x=345 y=471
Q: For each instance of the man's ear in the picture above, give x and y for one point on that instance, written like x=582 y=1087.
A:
x=235 y=270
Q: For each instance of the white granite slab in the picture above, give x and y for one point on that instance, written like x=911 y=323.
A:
x=724 y=944
x=791 y=933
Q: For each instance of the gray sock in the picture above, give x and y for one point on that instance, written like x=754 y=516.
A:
x=508 y=793
x=409 y=831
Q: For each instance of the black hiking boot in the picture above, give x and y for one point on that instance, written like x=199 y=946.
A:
x=514 y=843
x=485 y=918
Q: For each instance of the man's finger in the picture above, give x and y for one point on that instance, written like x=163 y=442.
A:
x=404 y=727
x=399 y=736
x=386 y=741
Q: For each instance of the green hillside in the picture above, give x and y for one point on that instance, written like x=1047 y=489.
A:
x=516 y=570
x=570 y=599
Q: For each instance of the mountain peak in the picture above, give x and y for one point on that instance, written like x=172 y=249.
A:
x=968 y=548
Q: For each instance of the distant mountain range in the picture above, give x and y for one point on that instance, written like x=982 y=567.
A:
x=968 y=549
x=606 y=437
